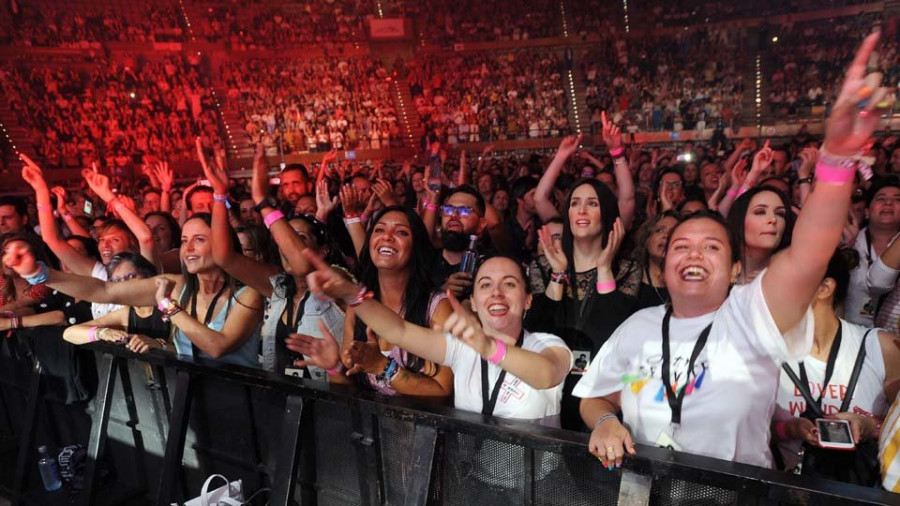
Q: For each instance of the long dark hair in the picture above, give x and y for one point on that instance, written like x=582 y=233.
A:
x=420 y=287
x=641 y=254
x=418 y=290
x=8 y=287
x=191 y=283
x=609 y=211
x=738 y=215
x=173 y=227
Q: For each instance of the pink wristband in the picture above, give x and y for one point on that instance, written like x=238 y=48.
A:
x=92 y=334
x=430 y=206
x=335 y=371
x=616 y=152
x=499 y=353
x=606 y=286
x=732 y=193
x=42 y=207
x=834 y=175
x=781 y=430
x=272 y=218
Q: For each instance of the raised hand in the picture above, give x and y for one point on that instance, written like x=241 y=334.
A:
x=259 y=181
x=466 y=327
x=382 y=189
x=859 y=106
x=568 y=146
x=351 y=201
x=60 y=193
x=164 y=176
x=324 y=203
x=808 y=159
x=364 y=356
x=98 y=182
x=149 y=171
x=613 y=242
x=32 y=173
x=738 y=173
x=324 y=352
x=325 y=281
x=215 y=173
x=612 y=136
x=761 y=161
x=552 y=250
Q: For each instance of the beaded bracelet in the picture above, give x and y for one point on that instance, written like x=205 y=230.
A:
x=559 y=277
x=604 y=418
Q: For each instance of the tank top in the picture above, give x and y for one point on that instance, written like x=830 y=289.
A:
x=152 y=326
x=246 y=355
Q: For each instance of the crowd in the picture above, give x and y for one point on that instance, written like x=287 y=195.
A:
x=123 y=113
x=314 y=104
x=491 y=96
x=446 y=23
x=806 y=61
x=660 y=84
x=53 y=24
x=627 y=292
x=249 y=25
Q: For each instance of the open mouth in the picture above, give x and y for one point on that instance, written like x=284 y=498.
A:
x=694 y=273
x=498 y=309
x=582 y=223
x=387 y=251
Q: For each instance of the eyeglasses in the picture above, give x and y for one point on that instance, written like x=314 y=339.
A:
x=672 y=184
x=464 y=211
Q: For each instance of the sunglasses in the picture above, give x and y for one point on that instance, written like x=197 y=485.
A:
x=463 y=211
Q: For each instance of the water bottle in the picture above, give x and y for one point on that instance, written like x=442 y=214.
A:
x=435 y=173
x=470 y=258
x=49 y=470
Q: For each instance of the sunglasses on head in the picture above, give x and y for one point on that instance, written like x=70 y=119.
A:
x=464 y=211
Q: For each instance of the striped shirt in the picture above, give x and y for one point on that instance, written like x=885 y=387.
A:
x=888 y=446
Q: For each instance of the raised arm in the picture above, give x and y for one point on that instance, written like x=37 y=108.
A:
x=624 y=182
x=795 y=273
x=542 y=202
x=99 y=183
x=245 y=269
x=64 y=213
x=75 y=261
x=166 y=179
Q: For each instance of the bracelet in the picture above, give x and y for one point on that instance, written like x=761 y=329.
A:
x=615 y=153
x=559 y=277
x=223 y=199
x=42 y=207
x=272 y=218
x=115 y=203
x=606 y=286
x=363 y=295
x=430 y=206
x=781 y=430
x=604 y=418
x=351 y=221
x=834 y=175
x=41 y=276
x=499 y=353
x=805 y=180
x=732 y=193
x=334 y=371
x=390 y=370
x=837 y=161
x=92 y=334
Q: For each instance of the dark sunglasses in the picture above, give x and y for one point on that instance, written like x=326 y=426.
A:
x=464 y=211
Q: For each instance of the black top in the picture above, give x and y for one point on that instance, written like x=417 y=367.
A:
x=152 y=326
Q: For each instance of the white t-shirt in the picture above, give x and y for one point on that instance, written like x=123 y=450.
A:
x=516 y=399
x=101 y=309
x=868 y=397
x=728 y=406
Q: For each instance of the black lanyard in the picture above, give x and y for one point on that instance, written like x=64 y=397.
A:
x=488 y=403
x=868 y=246
x=803 y=383
x=292 y=323
x=209 y=312
x=675 y=401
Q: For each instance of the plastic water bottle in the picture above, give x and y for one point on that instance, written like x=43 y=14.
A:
x=49 y=470
x=435 y=173
x=470 y=258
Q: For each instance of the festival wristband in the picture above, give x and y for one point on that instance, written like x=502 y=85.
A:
x=41 y=276
x=499 y=353
x=363 y=295
x=834 y=175
x=351 y=221
x=42 y=207
x=559 y=277
x=430 y=206
x=732 y=193
x=606 y=286
x=615 y=153
x=335 y=370
x=223 y=199
x=272 y=218
x=92 y=334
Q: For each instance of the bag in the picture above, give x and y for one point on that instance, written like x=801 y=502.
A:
x=231 y=494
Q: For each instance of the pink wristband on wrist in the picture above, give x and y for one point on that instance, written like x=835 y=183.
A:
x=272 y=218
x=430 y=206
x=834 y=175
x=42 y=207
x=606 y=286
x=732 y=193
x=335 y=371
x=92 y=334
x=499 y=353
x=616 y=152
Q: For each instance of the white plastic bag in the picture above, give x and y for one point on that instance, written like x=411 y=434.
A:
x=230 y=494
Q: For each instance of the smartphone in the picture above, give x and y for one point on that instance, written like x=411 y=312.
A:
x=350 y=155
x=88 y=207
x=685 y=158
x=835 y=434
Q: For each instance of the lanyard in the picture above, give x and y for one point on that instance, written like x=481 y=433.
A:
x=803 y=384
x=488 y=403
x=292 y=322
x=675 y=401
x=209 y=314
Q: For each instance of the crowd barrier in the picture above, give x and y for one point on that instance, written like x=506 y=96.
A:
x=157 y=426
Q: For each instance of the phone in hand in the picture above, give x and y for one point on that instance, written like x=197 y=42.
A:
x=88 y=207
x=835 y=434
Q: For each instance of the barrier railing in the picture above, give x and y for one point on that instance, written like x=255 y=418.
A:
x=158 y=426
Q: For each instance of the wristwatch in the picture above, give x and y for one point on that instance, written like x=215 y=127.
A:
x=267 y=202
